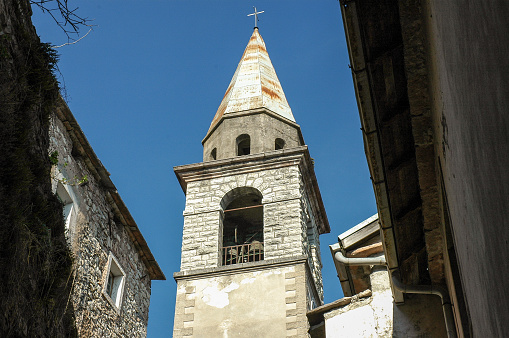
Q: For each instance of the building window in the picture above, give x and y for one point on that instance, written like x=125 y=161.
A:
x=279 y=144
x=67 y=202
x=243 y=229
x=213 y=154
x=114 y=282
x=243 y=145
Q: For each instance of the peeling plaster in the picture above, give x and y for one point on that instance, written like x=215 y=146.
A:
x=212 y=296
x=248 y=281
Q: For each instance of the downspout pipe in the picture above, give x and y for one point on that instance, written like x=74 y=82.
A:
x=430 y=290
x=416 y=289
x=380 y=260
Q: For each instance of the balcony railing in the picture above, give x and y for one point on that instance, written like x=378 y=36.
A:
x=235 y=254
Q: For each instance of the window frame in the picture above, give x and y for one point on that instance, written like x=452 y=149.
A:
x=113 y=288
x=64 y=196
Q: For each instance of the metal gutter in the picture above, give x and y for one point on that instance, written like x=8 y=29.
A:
x=430 y=290
x=367 y=111
x=348 y=241
x=380 y=260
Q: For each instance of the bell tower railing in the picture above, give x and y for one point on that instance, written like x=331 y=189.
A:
x=244 y=253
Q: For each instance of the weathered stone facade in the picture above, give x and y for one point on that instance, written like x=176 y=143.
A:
x=261 y=125
x=250 y=262
x=283 y=223
x=292 y=221
x=99 y=226
x=35 y=262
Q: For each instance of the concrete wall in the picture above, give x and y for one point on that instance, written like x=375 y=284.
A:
x=268 y=300
x=94 y=232
x=378 y=316
x=469 y=48
x=262 y=128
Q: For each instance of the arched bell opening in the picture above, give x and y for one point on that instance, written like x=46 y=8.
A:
x=243 y=145
x=279 y=144
x=242 y=240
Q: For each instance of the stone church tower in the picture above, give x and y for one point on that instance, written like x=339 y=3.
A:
x=251 y=261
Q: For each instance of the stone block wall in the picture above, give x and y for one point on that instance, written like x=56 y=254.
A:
x=284 y=226
x=200 y=248
x=94 y=231
x=312 y=247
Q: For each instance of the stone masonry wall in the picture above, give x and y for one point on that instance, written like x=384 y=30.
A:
x=35 y=262
x=93 y=233
x=312 y=247
x=285 y=219
x=281 y=189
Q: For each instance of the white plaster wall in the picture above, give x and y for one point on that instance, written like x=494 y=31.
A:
x=368 y=317
x=378 y=316
x=469 y=82
x=246 y=304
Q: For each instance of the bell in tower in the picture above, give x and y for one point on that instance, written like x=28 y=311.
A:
x=250 y=262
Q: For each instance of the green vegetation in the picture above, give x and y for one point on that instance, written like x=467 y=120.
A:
x=35 y=262
x=53 y=158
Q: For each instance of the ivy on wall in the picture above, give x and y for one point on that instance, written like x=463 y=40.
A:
x=35 y=262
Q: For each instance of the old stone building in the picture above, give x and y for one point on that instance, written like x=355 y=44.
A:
x=88 y=273
x=113 y=265
x=250 y=261
x=432 y=88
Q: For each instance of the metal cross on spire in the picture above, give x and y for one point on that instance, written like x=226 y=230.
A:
x=255 y=16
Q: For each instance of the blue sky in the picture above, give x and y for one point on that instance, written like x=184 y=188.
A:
x=145 y=84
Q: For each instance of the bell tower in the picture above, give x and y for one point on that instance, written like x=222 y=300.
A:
x=250 y=262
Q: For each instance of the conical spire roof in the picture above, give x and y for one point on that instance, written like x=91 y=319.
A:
x=254 y=84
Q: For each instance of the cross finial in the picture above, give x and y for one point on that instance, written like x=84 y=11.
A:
x=255 y=16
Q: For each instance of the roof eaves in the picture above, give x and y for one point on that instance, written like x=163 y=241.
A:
x=96 y=167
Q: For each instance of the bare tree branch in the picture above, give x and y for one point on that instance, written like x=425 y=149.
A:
x=64 y=16
x=72 y=43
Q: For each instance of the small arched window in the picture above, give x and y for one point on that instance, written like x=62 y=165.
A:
x=213 y=154
x=279 y=144
x=243 y=229
x=243 y=145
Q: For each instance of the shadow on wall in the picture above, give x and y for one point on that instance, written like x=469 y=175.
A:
x=373 y=313
x=419 y=316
